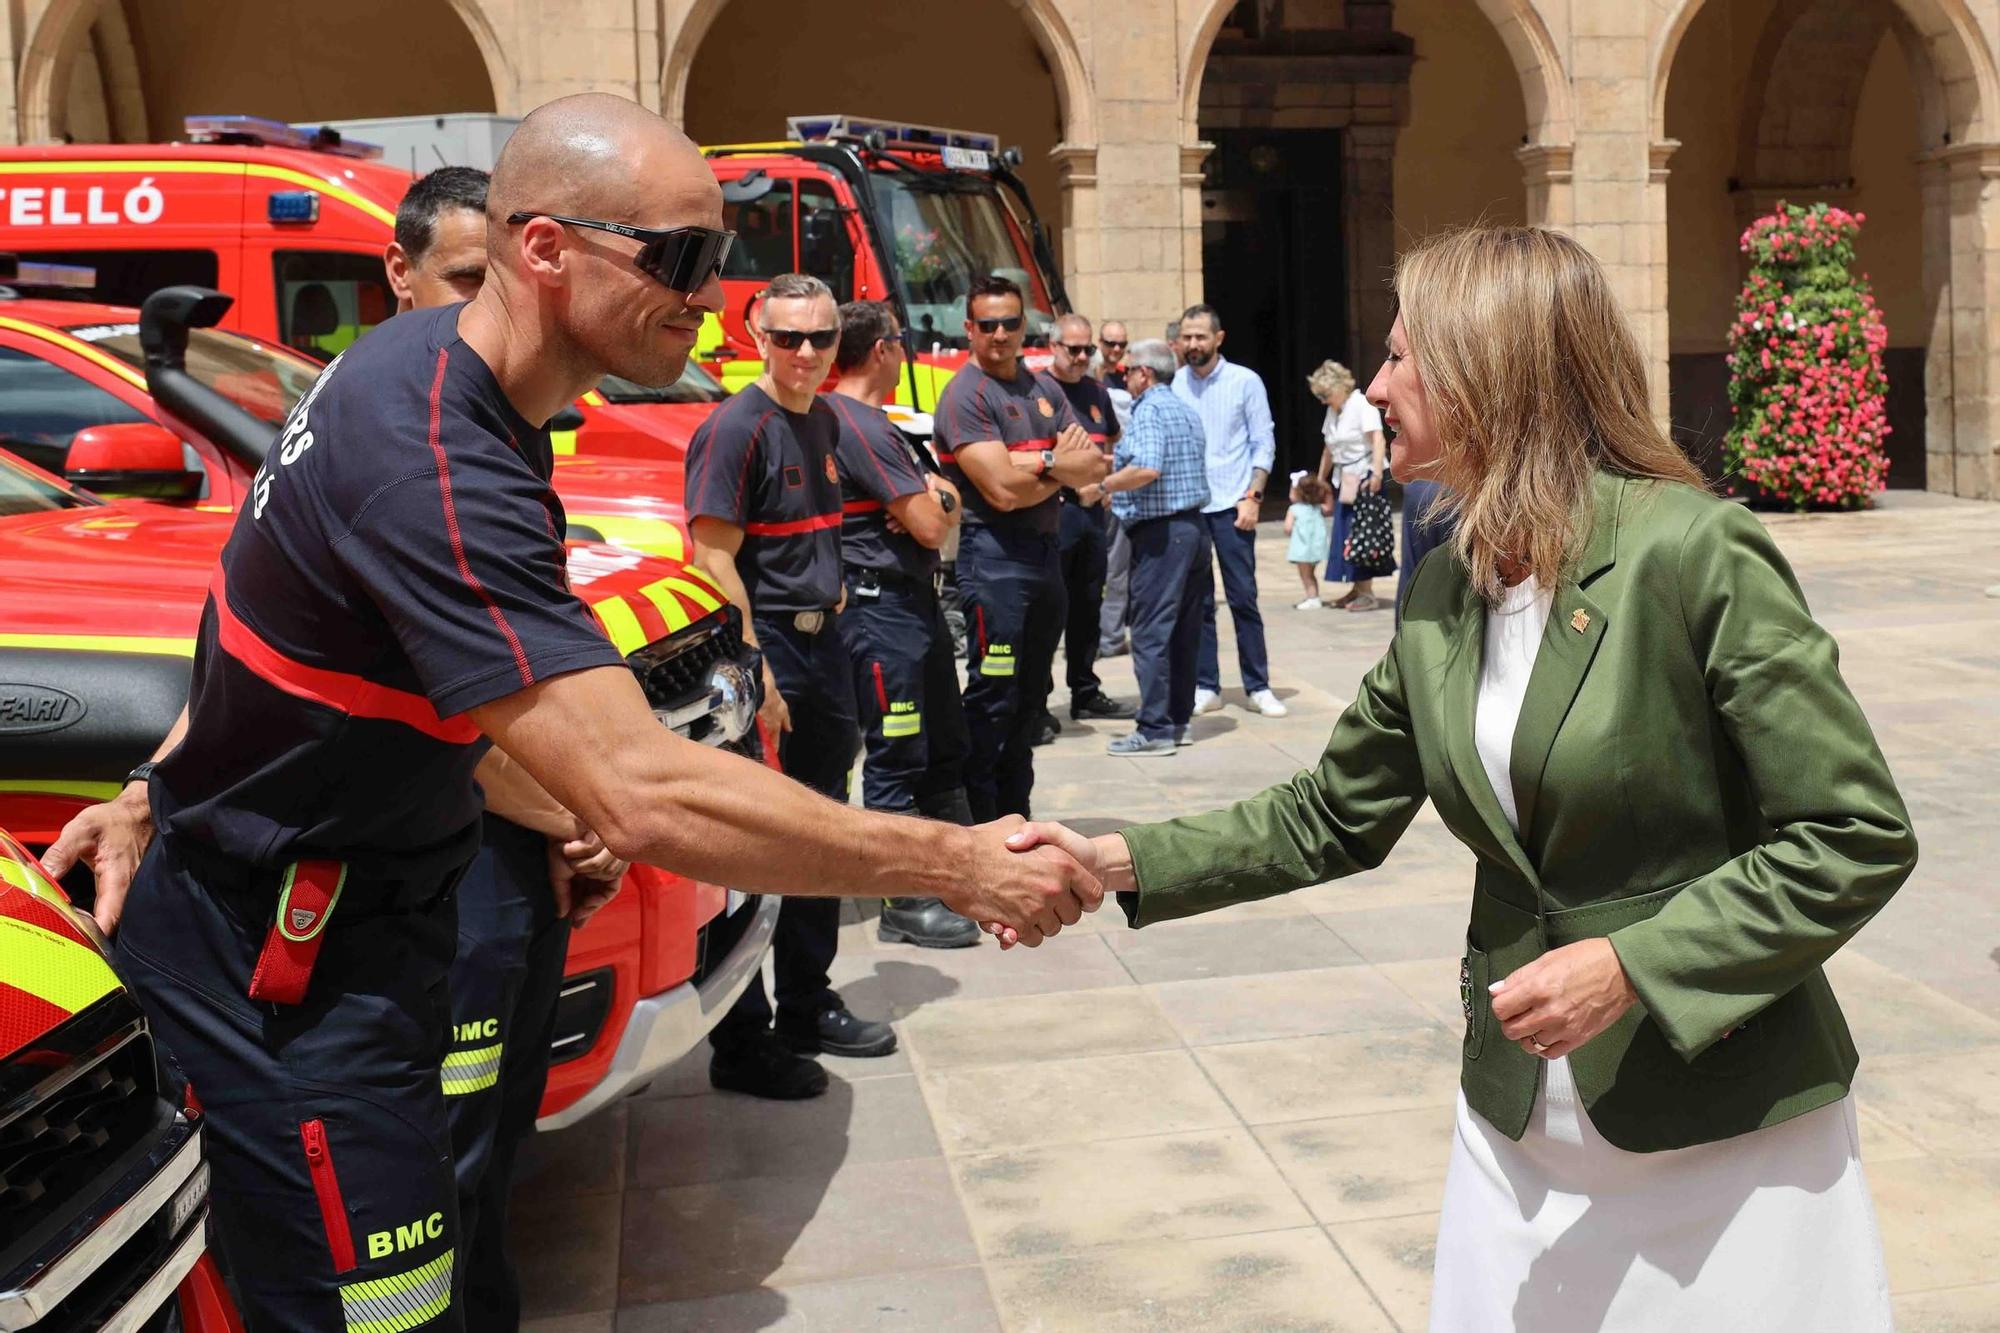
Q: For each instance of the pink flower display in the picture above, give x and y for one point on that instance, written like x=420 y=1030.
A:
x=1806 y=389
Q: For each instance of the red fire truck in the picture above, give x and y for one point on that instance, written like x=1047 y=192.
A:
x=292 y=224
x=885 y=211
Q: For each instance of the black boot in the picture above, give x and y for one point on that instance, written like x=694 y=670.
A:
x=926 y=923
x=763 y=1066
x=831 y=1029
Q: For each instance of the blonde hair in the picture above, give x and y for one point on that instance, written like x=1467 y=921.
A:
x=1331 y=382
x=1534 y=383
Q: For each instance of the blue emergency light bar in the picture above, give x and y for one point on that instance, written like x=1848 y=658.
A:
x=293 y=206
x=274 y=134
x=895 y=133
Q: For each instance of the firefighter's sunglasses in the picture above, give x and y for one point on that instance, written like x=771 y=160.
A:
x=683 y=259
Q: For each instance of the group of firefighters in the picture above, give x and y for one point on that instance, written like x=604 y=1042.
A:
x=410 y=761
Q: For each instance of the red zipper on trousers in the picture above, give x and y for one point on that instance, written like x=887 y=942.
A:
x=881 y=694
x=326 y=1188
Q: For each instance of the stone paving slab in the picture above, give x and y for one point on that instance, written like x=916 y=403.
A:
x=1240 y=1122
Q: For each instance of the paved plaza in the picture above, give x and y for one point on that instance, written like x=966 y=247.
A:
x=1242 y=1121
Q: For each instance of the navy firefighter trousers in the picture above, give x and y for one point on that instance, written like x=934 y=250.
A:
x=330 y=1152
x=1015 y=606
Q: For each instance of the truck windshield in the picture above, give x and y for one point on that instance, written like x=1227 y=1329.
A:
x=694 y=386
x=944 y=230
x=262 y=379
x=26 y=492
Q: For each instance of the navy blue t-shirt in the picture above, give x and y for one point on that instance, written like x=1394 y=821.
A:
x=400 y=562
x=1091 y=402
x=772 y=473
x=876 y=469
x=1025 y=413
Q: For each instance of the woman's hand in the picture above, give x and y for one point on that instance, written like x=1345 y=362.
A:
x=1373 y=485
x=1564 y=998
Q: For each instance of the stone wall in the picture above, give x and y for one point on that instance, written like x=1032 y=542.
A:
x=1587 y=83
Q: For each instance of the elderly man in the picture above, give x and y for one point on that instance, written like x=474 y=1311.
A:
x=1157 y=492
x=1236 y=415
x=393 y=603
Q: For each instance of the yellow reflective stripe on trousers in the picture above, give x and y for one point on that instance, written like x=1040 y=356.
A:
x=997 y=660
x=473 y=1070
x=902 y=724
x=403 y=1301
x=62 y=972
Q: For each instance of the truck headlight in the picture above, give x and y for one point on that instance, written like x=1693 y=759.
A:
x=733 y=692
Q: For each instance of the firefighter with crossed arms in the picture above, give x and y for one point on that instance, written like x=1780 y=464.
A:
x=895 y=514
x=1009 y=441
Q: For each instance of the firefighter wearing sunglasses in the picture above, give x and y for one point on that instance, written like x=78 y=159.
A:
x=763 y=500
x=391 y=603
x=1009 y=440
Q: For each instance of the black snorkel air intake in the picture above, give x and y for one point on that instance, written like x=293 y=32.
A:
x=186 y=405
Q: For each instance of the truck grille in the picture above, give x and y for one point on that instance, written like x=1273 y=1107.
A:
x=63 y=1134
x=678 y=675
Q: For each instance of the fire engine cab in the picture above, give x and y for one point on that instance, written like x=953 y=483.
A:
x=885 y=211
x=291 y=223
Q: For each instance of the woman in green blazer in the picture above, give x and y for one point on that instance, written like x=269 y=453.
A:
x=1613 y=691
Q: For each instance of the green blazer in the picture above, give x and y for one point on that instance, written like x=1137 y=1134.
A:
x=1694 y=782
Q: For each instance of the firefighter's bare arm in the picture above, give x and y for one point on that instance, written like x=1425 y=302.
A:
x=716 y=542
x=591 y=740
x=111 y=838
x=1004 y=485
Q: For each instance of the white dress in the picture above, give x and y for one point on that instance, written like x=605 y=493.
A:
x=1768 y=1231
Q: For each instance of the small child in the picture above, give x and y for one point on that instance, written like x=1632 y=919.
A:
x=1305 y=523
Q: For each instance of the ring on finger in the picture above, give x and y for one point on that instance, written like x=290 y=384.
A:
x=1539 y=1047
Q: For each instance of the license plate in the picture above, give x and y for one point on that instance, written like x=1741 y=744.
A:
x=967 y=159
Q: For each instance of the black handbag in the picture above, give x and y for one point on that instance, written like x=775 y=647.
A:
x=1371 y=536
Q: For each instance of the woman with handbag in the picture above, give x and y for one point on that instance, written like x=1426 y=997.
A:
x=1616 y=697
x=1351 y=463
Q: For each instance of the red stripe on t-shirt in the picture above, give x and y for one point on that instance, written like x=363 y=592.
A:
x=341 y=691
x=451 y=526
x=793 y=527
x=861 y=506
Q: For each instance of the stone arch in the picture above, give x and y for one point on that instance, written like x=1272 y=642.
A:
x=499 y=66
x=1804 y=92
x=1545 y=86
x=1956 y=54
x=49 y=56
x=689 y=28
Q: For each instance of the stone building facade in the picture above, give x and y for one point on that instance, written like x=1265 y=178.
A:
x=1270 y=155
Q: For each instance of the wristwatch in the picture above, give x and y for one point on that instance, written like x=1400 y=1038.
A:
x=143 y=773
x=1048 y=460
x=947 y=501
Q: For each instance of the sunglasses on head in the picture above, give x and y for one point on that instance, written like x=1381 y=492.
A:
x=1008 y=322
x=789 y=339
x=683 y=258
x=1080 y=351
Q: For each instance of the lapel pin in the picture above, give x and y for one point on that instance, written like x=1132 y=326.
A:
x=1580 y=621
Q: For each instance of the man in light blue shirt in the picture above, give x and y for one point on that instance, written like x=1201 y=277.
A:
x=1236 y=417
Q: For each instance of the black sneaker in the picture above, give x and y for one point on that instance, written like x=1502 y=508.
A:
x=1046 y=730
x=1098 y=704
x=838 y=1032
x=763 y=1066
x=926 y=923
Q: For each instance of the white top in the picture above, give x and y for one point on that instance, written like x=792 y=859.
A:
x=1513 y=637
x=1346 y=428
x=1564 y=1232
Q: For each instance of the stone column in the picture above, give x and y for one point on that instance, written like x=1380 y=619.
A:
x=1545 y=170
x=1618 y=175
x=1082 y=242
x=1368 y=205
x=1962 y=456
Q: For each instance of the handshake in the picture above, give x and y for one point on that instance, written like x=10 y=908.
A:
x=1026 y=881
